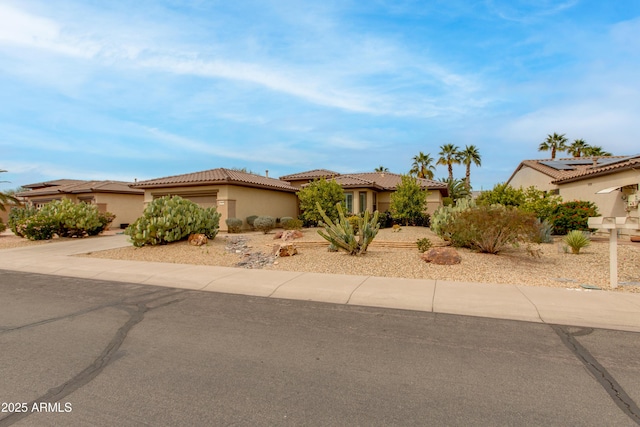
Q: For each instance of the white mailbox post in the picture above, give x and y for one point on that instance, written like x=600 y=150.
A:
x=613 y=224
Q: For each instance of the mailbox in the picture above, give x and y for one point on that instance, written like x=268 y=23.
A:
x=612 y=222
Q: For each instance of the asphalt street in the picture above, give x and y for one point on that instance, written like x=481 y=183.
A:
x=81 y=352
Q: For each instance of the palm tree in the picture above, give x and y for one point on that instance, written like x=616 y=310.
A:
x=449 y=156
x=6 y=198
x=554 y=143
x=381 y=169
x=595 y=151
x=457 y=188
x=469 y=155
x=577 y=147
x=422 y=166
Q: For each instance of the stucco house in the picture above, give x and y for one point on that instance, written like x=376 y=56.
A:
x=109 y=196
x=370 y=190
x=235 y=194
x=610 y=182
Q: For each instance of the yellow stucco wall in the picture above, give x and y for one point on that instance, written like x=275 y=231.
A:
x=527 y=177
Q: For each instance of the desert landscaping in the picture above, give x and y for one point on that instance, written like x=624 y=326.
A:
x=395 y=254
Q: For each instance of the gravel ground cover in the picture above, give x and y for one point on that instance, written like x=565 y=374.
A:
x=554 y=268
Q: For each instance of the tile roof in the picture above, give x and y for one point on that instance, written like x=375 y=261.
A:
x=383 y=181
x=217 y=176
x=79 y=187
x=576 y=168
x=312 y=174
x=53 y=183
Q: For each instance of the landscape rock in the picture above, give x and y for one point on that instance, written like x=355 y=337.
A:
x=288 y=235
x=442 y=256
x=284 y=249
x=198 y=239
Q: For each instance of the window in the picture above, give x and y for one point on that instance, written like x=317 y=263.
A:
x=348 y=202
x=363 y=201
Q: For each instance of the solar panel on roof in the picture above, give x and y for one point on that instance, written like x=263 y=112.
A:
x=557 y=165
x=606 y=161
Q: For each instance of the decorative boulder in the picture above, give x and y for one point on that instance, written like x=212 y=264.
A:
x=442 y=256
x=288 y=235
x=284 y=249
x=198 y=239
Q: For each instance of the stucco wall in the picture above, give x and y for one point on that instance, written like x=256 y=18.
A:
x=610 y=204
x=235 y=201
x=126 y=207
x=527 y=177
x=258 y=201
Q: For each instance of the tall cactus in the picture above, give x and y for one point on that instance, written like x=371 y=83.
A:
x=341 y=234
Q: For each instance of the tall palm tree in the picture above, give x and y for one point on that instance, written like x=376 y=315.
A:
x=469 y=155
x=554 y=143
x=6 y=198
x=422 y=166
x=381 y=169
x=449 y=156
x=577 y=147
x=595 y=150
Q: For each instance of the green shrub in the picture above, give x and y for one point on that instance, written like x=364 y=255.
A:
x=409 y=201
x=234 y=225
x=326 y=193
x=353 y=220
x=424 y=244
x=172 y=218
x=572 y=216
x=538 y=202
x=385 y=219
x=342 y=235
x=62 y=217
x=250 y=219
x=16 y=215
x=577 y=240
x=3 y=227
x=490 y=229
x=264 y=223
x=37 y=227
x=293 y=224
x=284 y=220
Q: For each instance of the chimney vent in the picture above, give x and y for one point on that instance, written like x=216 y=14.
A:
x=266 y=173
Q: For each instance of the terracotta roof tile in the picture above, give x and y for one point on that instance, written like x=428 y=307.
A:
x=312 y=174
x=566 y=169
x=78 y=187
x=217 y=176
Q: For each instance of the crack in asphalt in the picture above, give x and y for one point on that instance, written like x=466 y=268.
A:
x=136 y=310
x=599 y=372
x=127 y=300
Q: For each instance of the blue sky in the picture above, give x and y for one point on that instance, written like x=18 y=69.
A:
x=142 y=89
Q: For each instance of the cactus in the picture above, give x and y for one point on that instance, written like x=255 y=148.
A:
x=169 y=219
x=444 y=216
x=341 y=234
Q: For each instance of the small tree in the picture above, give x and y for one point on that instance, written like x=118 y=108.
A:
x=325 y=193
x=409 y=201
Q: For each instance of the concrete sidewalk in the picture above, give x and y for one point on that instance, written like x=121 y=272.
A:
x=601 y=309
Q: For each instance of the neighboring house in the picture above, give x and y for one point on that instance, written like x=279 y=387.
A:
x=117 y=197
x=610 y=182
x=235 y=194
x=370 y=190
